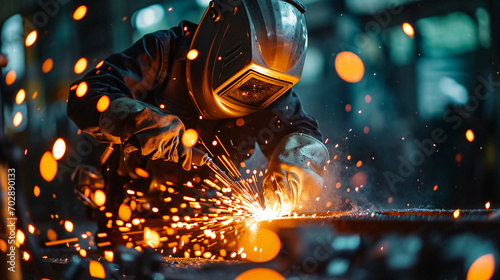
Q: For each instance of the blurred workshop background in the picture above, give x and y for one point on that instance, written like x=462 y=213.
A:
x=404 y=91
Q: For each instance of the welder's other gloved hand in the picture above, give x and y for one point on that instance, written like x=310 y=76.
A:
x=294 y=176
x=144 y=127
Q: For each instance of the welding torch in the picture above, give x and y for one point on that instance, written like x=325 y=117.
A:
x=200 y=158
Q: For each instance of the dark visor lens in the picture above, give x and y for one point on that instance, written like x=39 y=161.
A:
x=254 y=92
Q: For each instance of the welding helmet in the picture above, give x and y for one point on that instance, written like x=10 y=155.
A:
x=244 y=55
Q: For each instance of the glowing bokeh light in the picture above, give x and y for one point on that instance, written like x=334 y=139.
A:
x=26 y=256
x=59 y=148
x=80 y=12
x=99 y=198
x=456 y=213
x=359 y=179
x=151 y=237
x=260 y=273
x=48 y=167
x=141 y=172
x=368 y=98
x=240 y=122
x=36 y=191
x=68 y=225
x=3 y=246
x=408 y=29
x=20 y=237
x=487 y=205
x=81 y=90
x=83 y=253
x=349 y=66
x=103 y=103
x=47 y=65
x=31 y=38
x=96 y=270
x=192 y=54
x=20 y=96
x=99 y=64
x=189 y=138
x=482 y=268
x=80 y=65
x=109 y=255
x=18 y=119
x=51 y=234
x=10 y=77
x=124 y=212
x=261 y=245
x=469 y=135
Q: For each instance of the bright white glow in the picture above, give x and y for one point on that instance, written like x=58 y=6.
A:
x=454 y=90
x=13 y=44
x=203 y=3
x=313 y=66
x=483 y=18
x=148 y=16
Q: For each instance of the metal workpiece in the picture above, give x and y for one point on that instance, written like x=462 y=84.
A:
x=377 y=222
x=383 y=244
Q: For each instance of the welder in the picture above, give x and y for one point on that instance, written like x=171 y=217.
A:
x=230 y=76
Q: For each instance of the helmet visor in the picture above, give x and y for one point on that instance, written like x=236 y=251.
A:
x=255 y=90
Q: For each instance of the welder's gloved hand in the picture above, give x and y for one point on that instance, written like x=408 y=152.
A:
x=144 y=127
x=294 y=176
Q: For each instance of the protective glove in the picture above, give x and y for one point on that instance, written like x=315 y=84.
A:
x=141 y=126
x=294 y=176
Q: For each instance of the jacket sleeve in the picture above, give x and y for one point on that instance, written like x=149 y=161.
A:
x=283 y=117
x=133 y=73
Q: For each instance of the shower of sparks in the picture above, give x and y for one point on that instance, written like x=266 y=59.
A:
x=206 y=223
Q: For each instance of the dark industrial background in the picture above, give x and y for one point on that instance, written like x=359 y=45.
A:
x=397 y=138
